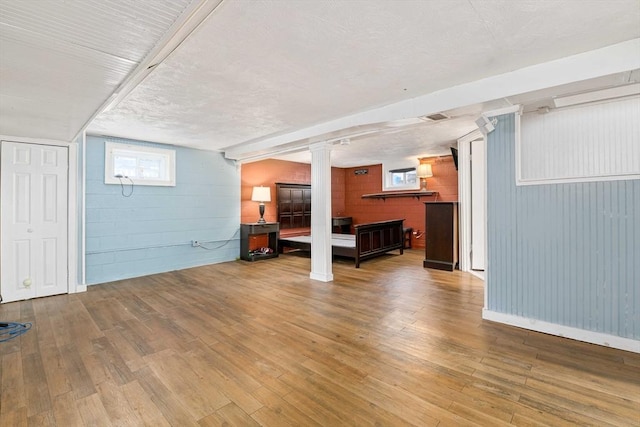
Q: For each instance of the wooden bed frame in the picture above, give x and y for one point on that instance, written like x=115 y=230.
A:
x=371 y=240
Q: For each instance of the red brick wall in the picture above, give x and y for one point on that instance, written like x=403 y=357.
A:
x=338 y=191
x=445 y=178
x=444 y=181
x=268 y=172
x=347 y=190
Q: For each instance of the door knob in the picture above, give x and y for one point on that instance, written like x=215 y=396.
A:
x=29 y=230
x=26 y=282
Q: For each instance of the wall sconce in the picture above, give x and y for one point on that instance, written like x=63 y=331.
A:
x=424 y=171
x=261 y=194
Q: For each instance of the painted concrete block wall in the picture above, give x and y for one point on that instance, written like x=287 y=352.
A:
x=370 y=210
x=412 y=210
x=347 y=189
x=151 y=231
x=269 y=172
x=567 y=254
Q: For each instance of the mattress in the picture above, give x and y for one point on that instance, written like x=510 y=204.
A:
x=341 y=240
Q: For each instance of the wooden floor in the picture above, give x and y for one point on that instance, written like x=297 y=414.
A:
x=244 y=344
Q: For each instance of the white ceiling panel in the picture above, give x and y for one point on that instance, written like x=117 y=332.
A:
x=256 y=69
x=123 y=28
x=61 y=60
x=246 y=76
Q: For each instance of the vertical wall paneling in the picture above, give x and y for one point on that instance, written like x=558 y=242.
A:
x=152 y=230
x=582 y=143
x=565 y=253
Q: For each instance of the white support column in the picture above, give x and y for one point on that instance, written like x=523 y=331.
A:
x=321 y=268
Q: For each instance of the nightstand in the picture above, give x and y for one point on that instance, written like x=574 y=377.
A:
x=251 y=232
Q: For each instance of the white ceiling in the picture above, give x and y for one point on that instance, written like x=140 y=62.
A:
x=251 y=77
x=61 y=60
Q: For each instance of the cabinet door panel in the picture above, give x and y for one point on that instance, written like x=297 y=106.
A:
x=441 y=225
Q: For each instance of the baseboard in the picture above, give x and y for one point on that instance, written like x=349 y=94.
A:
x=479 y=274
x=321 y=277
x=77 y=288
x=599 y=338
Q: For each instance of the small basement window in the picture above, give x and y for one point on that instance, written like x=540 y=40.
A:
x=400 y=179
x=142 y=164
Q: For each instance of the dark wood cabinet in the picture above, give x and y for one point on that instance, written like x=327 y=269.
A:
x=294 y=205
x=341 y=223
x=251 y=232
x=441 y=229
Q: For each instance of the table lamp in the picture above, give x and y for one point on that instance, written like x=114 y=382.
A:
x=261 y=194
x=424 y=171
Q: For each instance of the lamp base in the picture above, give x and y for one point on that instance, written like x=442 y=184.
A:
x=261 y=220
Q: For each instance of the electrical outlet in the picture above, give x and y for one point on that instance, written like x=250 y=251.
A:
x=195 y=243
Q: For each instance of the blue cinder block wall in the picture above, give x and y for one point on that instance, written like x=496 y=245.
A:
x=151 y=231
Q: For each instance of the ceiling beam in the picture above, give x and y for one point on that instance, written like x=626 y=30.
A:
x=175 y=36
x=612 y=59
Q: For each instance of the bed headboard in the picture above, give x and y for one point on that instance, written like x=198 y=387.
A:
x=294 y=205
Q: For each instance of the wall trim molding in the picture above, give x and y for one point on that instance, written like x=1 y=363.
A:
x=321 y=277
x=464 y=197
x=592 y=337
x=502 y=111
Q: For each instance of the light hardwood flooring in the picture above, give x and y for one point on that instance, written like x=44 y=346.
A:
x=247 y=344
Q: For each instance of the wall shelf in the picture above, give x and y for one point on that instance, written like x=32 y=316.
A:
x=392 y=194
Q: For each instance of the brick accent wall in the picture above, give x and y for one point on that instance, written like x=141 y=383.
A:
x=347 y=189
x=444 y=181
x=268 y=172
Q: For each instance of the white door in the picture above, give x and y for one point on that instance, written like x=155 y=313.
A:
x=33 y=228
x=478 y=223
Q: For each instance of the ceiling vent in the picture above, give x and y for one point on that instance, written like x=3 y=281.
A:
x=435 y=117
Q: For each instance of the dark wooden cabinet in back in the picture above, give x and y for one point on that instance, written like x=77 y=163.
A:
x=294 y=205
x=441 y=225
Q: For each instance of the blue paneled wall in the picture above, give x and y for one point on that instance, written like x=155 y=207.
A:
x=567 y=254
x=151 y=231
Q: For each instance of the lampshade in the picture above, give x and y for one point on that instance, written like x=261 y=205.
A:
x=261 y=194
x=424 y=171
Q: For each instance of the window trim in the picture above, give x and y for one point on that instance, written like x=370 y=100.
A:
x=389 y=168
x=138 y=150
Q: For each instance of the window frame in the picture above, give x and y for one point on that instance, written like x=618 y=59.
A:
x=387 y=176
x=139 y=151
